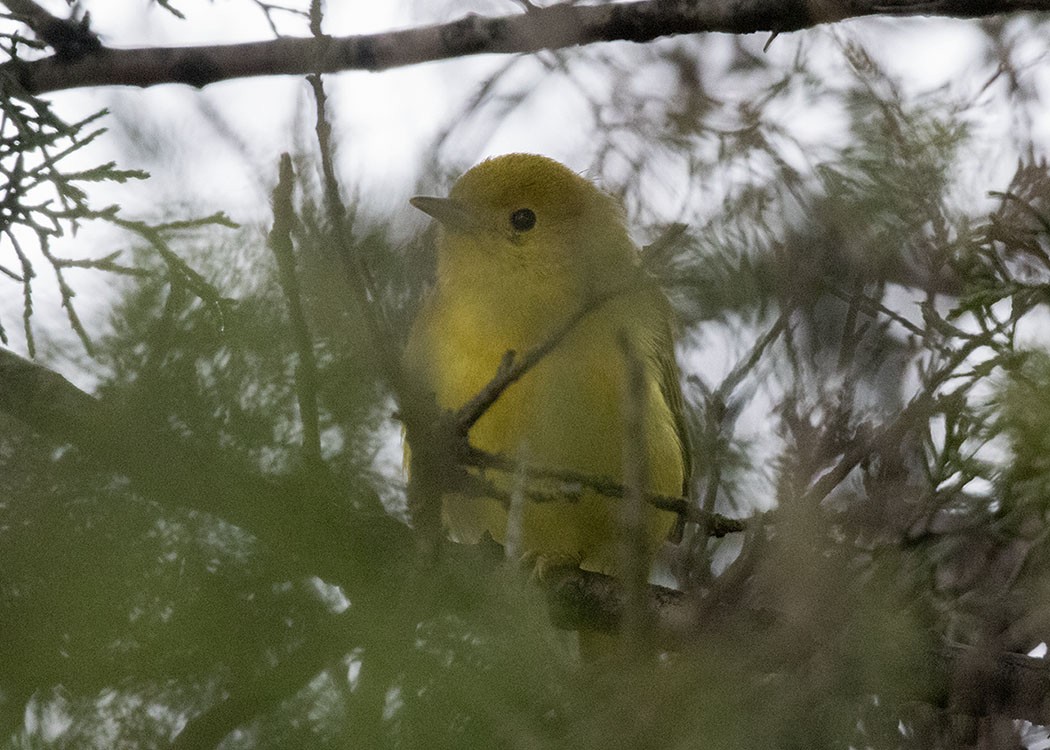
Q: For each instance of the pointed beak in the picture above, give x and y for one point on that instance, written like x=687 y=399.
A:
x=450 y=212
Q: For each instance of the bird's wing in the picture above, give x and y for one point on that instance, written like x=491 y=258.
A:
x=671 y=389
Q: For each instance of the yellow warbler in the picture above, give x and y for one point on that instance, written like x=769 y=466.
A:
x=524 y=244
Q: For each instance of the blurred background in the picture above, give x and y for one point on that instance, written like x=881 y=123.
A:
x=860 y=289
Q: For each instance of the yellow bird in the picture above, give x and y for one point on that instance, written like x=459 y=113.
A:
x=524 y=243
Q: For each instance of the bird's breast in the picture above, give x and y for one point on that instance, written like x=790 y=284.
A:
x=558 y=408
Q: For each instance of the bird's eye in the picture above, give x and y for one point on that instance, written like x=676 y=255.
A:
x=523 y=220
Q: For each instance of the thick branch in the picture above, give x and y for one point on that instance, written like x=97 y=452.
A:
x=32 y=13
x=553 y=27
x=70 y=39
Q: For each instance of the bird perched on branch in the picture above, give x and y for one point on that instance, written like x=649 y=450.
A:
x=532 y=254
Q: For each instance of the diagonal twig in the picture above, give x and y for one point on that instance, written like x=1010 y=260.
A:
x=918 y=408
x=512 y=367
x=356 y=272
x=719 y=399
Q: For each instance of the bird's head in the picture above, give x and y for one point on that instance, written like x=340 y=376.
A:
x=527 y=213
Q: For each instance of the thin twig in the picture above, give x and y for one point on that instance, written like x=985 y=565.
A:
x=306 y=372
x=872 y=307
x=415 y=409
x=919 y=407
x=656 y=253
x=573 y=484
x=720 y=397
x=747 y=364
x=512 y=368
x=356 y=272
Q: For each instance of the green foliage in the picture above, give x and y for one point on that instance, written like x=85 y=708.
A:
x=41 y=200
x=45 y=198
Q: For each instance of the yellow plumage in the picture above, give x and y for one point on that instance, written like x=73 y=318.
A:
x=524 y=243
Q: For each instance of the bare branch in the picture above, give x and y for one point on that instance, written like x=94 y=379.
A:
x=70 y=39
x=553 y=27
x=748 y=363
x=872 y=307
x=572 y=484
x=33 y=14
x=355 y=270
x=306 y=372
x=918 y=409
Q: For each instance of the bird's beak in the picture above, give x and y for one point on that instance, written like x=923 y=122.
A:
x=450 y=212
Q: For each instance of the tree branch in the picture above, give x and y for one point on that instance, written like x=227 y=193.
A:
x=512 y=368
x=280 y=242
x=553 y=27
x=982 y=682
x=920 y=407
x=572 y=484
x=70 y=39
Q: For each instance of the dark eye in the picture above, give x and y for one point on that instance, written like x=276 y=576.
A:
x=523 y=219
